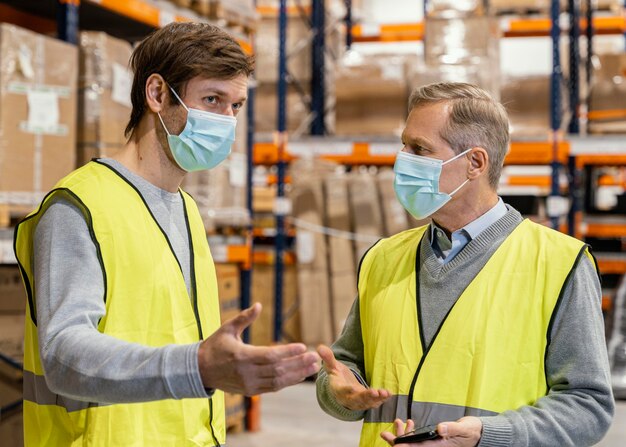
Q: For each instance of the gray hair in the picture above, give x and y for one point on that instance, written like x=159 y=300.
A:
x=476 y=120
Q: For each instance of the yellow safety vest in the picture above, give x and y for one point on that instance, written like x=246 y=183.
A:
x=146 y=302
x=488 y=355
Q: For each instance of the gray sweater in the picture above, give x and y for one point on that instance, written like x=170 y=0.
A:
x=579 y=407
x=79 y=362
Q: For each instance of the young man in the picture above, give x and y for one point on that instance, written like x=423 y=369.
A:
x=123 y=339
x=482 y=322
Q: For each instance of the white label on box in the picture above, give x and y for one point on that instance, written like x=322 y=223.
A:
x=557 y=206
x=394 y=72
x=7 y=256
x=305 y=247
x=122 y=83
x=24 y=57
x=237 y=171
x=43 y=111
x=219 y=253
x=282 y=206
x=385 y=149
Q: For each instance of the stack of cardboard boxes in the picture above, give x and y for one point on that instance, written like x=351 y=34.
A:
x=607 y=108
x=229 y=292
x=103 y=95
x=12 y=308
x=37 y=115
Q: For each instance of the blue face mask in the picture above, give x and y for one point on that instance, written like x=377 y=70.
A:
x=205 y=141
x=417 y=183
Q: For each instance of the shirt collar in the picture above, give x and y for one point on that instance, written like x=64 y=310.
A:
x=475 y=227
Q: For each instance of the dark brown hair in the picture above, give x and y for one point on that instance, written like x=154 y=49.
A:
x=180 y=52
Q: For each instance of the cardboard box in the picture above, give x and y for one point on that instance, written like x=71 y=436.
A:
x=527 y=102
x=607 y=102
x=315 y=306
x=235 y=410
x=298 y=48
x=343 y=292
x=11 y=421
x=12 y=292
x=337 y=217
x=37 y=113
x=394 y=215
x=263 y=291
x=228 y=281
x=12 y=335
x=371 y=95
x=266 y=106
x=366 y=213
x=104 y=85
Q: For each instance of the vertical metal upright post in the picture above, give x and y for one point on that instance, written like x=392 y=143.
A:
x=281 y=143
x=574 y=65
x=348 y=24
x=555 y=101
x=574 y=124
x=246 y=271
x=67 y=20
x=589 y=34
x=318 y=86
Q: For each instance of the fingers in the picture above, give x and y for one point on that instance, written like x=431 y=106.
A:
x=244 y=319
x=327 y=356
x=388 y=437
x=361 y=398
x=268 y=355
x=307 y=364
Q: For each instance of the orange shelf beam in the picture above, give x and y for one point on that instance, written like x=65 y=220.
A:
x=601 y=159
x=268 y=257
x=535 y=153
x=388 y=33
x=150 y=15
x=521 y=153
x=612 y=266
x=513 y=28
x=607 y=303
x=608 y=230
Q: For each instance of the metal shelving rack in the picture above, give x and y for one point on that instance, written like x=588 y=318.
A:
x=555 y=152
x=133 y=19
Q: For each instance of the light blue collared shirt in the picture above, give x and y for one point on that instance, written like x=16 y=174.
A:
x=446 y=249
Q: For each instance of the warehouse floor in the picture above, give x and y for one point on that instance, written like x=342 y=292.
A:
x=292 y=417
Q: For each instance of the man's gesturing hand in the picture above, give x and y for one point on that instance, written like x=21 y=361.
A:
x=345 y=386
x=228 y=364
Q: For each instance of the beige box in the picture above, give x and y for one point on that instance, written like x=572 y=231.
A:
x=371 y=96
x=607 y=102
x=298 y=48
x=343 y=292
x=11 y=422
x=263 y=291
x=315 y=306
x=337 y=217
x=104 y=88
x=527 y=102
x=12 y=292
x=12 y=335
x=394 y=215
x=308 y=207
x=37 y=113
x=228 y=281
x=366 y=213
x=266 y=106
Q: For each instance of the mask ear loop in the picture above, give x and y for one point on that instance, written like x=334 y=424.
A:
x=457 y=156
x=179 y=100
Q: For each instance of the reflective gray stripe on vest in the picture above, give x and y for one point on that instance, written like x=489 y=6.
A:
x=36 y=390
x=422 y=413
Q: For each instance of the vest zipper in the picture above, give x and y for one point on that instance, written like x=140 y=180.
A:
x=192 y=266
x=217 y=443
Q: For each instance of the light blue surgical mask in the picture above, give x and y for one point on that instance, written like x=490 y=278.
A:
x=205 y=141
x=417 y=183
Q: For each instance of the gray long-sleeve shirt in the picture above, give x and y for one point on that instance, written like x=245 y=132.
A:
x=79 y=362
x=579 y=406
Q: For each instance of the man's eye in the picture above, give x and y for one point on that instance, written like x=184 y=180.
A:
x=237 y=106
x=211 y=99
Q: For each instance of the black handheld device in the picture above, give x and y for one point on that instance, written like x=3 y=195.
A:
x=418 y=435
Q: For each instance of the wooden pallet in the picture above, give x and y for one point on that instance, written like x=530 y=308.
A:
x=10 y=214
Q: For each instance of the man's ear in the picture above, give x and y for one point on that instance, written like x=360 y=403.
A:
x=156 y=92
x=479 y=163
